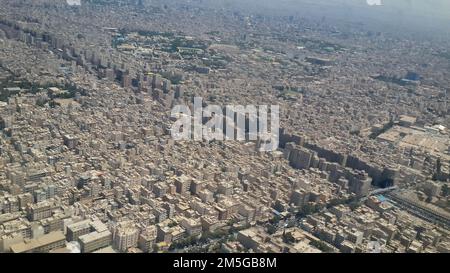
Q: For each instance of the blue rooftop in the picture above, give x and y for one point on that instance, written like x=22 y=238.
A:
x=381 y=198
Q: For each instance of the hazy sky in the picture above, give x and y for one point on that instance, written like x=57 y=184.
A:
x=427 y=15
x=423 y=7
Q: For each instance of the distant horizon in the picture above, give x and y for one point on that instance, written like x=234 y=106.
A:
x=428 y=16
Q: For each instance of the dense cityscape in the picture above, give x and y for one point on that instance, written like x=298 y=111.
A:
x=88 y=163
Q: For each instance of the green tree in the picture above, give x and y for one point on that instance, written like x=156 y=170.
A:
x=445 y=190
x=321 y=246
x=271 y=229
x=354 y=205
